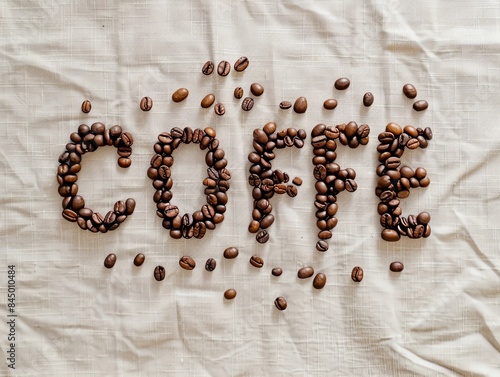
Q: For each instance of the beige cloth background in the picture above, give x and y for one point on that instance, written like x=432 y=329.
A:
x=439 y=317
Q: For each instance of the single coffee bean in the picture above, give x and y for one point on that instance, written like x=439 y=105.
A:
x=409 y=91
x=230 y=294
x=139 y=259
x=413 y=143
x=390 y=235
x=223 y=68
x=180 y=95
x=231 y=253
x=207 y=68
x=86 y=106
x=247 y=104
x=238 y=92
x=146 y=104
x=280 y=303
x=428 y=133
x=159 y=273
x=396 y=266
x=330 y=104
x=110 y=261
x=130 y=206
x=297 y=181
x=319 y=281
x=300 y=105
x=368 y=99
x=70 y=215
x=322 y=246
x=357 y=274
x=256 y=89
x=277 y=271
x=219 y=109
x=241 y=64
x=285 y=105
x=187 y=263
x=420 y=105
x=342 y=83
x=256 y=261
x=291 y=191
x=305 y=272
x=210 y=264
x=423 y=218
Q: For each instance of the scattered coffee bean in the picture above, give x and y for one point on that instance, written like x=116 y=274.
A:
x=319 y=280
x=230 y=294
x=322 y=245
x=300 y=105
x=285 y=105
x=210 y=264
x=247 y=104
x=277 y=271
x=231 y=253
x=256 y=89
x=423 y=218
x=159 y=273
x=368 y=99
x=330 y=104
x=146 y=104
x=110 y=261
x=86 y=106
x=256 y=261
x=305 y=272
x=241 y=64
x=280 y=303
x=219 y=109
x=420 y=105
x=223 y=68
x=207 y=101
x=207 y=68
x=396 y=266
x=297 y=181
x=238 y=92
x=187 y=263
x=409 y=91
x=357 y=274
x=124 y=162
x=139 y=259
x=262 y=236
x=342 y=83
x=180 y=95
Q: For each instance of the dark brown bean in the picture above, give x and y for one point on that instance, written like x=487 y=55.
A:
x=241 y=64
x=256 y=89
x=396 y=266
x=280 y=303
x=420 y=105
x=300 y=105
x=86 y=106
x=208 y=68
x=357 y=274
x=256 y=261
x=409 y=91
x=390 y=235
x=210 y=264
x=223 y=68
x=238 y=92
x=187 y=263
x=330 y=104
x=319 y=281
x=159 y=273
x=342 y=83
x=247 y=104
x=322 y=246
x=368 y=99
x=180 y=95
x=285 y=105
x=297 y=181
x=139 y=259
x=230 y=294
x=231 y=253
x=145 y=105
x=305 y=272
x=219 y=109
x=110 y=261
x=277 y=271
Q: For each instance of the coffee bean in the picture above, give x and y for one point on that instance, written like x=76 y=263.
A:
x=428 y=133
x=230 y=294
x=420 y=105
x=291 y=191
x=159 y=273
x=223 y=68
x=396 y=266
x=357 y=274
x=247 y=104
x=238 y=92
x=219 y=109
x=280 y=303
x=70 y=215
x=322 y=246
x=319 y=281
x=241 y=64
x=297 y=181
x=231 y=253
x=256 y=89
x=210 y=264
x=342 y=83
x=305 y=272
x=256 y=261
x=368 y=99
x=285 y=105
x=86 y=106
x=139 y=259
x=330 y=104
x=207 y=68
x=110 y=261
x=390 y=235
x=180 y=95
x=300 y=105
x=266 y=221
x=423 y=218
x=413 y=143
x=277 y=271
x=130 y=206
x=409 y=91
x=187 y=263
x=146 y=104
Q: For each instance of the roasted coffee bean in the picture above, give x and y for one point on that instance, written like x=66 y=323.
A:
x=280 y=303
x=219 y=109
x=139 y=259
x=413 y=143
x=285 y=105
x=241 y=64
x=187 y=263
x=330 y=104
x=319 y=280
x=409 y=91
x=396 y=266
x=390 y=235
x=368 y=99
x=130 y=206
x=423 y=218
x=86 y=106
x=342 y=83
x=109 y=219
x=210 y=264
x=291 y=191
x=110 y=261
x=70 y=215
x=238 y=92
x=256 y=89
x=262 y=236
x=146 y=104
x=207 y=101
x=223 y=68
x=207 y=68
x=357 y=274
x=322 y=246
x=428 y=133
x=247 y=104
x=231 y=253
x=297 y=181
x=420 y=105
x=159 y=273
x=230 y=294
x=300 y=105
x=277 y=271
x=418 y=231
x=256 y=261
x=351 y=185
x=305 y=272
